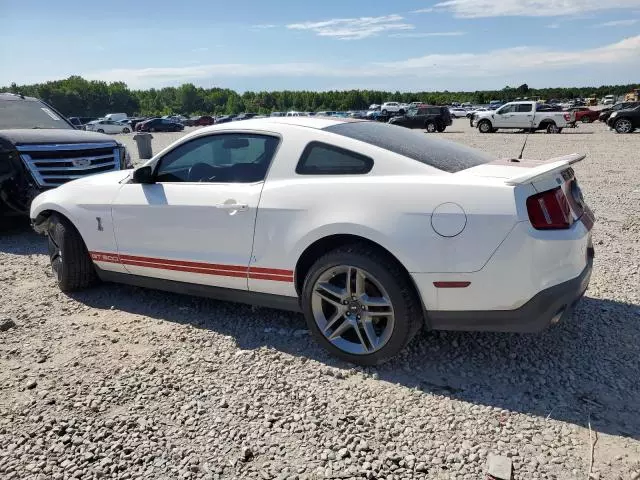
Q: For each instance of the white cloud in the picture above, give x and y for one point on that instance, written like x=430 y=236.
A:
x=354 y=28
x=427 y=34
x=492 y=64
x=264 y=26
x=553 y=25
x=618 y=23
x=530 y=8
x=423 y=10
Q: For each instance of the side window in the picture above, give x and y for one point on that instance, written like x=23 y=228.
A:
x=322 y=159
x=525 y=107
x=423 y=111
x=433 y=111
x=506 y=109
x=225 y=158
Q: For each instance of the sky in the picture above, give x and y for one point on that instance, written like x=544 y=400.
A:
x=404 y=45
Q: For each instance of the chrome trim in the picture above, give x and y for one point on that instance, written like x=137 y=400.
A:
x=65 y=146
x=48 y=180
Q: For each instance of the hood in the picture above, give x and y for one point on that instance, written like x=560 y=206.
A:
x=32 y=136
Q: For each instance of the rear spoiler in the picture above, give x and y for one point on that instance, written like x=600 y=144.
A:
x=547 y=167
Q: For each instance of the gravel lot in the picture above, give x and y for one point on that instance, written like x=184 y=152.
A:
x=121 y=382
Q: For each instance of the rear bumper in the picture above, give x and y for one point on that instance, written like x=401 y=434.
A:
x=549 y=306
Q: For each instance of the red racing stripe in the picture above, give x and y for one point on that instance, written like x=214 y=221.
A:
x=255 y=273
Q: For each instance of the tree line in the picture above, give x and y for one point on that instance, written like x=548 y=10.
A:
x=76 y=96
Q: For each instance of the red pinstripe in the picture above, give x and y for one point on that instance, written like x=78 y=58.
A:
x=256 y=273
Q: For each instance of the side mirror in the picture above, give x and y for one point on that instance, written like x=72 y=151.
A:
x=143 y=175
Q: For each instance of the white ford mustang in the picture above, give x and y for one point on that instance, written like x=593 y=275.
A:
x=369 y=229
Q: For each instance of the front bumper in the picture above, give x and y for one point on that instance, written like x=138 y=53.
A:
x=549 y=306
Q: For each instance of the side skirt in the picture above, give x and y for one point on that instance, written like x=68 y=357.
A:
x=279 y=302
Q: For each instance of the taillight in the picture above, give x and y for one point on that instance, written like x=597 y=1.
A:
x=567 y=116
x=549 y=210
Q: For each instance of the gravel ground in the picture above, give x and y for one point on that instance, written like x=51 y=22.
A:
x=121 y=382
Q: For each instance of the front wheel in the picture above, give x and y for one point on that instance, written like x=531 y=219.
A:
x=623 y=126
x=430 y=127
x=100 y=130
x=360 y=305
x=586 y=119
x=70 y=260
x=485 y=126
x=384 y=112
x=126 y=130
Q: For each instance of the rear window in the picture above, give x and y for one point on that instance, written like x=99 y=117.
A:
x=322 y=159
x=441 y=154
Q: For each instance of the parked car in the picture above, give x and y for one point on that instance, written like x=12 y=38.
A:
x=458 y=112
x=606 y=112
x=159 y=125
x=625 y=121
x=40 y=150
x=225 y=119
x=277 y=114
x=392 y=107
x=477 y=110
x=116 y=117
x=585 y=114
x=199 y=121
x=108 y=126
x=135 y=120
x=430 y=118
x=245 y=116
x=609 y=100
x=295 y=220
x=523 y=116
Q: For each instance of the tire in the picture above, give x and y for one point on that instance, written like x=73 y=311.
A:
x=401 y=111
x=384 y=112
x=126 y=130
x=553 y=128
x=70 y=261
x=396 y=294
x=430 y=127
x=623 y=125
x=441 y=129
x=100 y=130
x=485 y=126
x=586 y=119
x=152 y=129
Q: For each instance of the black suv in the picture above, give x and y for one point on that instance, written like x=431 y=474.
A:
x=625 y=121
x=430 y=118
x=605 y=113
x=40 y=149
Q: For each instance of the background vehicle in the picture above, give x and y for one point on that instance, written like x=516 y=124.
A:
x=245 y=116
x=585 y=114
x=458 y=112
x=159 y=125
x=285 y=228
x=116 y=117
x=606 y=112
x=625 y=121
x=476 y=110
x=392 y=107
x=276 y=114
x=524 y=116
x=199 y=121
x=609 y=100
x=108 y=126
x=40 y=150
x=430 y=118
x=225 y=119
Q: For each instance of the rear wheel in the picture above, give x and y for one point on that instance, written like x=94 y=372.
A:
x=553 y=128
x=70 y=260
x=586 y=119
x=384 y=112
x=485 y=126
x=100 y=130
x=126 y=130
x=360 y=305
x=623 y=126
x=430 y=127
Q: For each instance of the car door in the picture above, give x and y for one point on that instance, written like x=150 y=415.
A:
x=502 y=117
x=522 y=116
x=110 y=127
x=195 y=222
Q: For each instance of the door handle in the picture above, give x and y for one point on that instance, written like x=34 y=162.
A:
x=232 y=206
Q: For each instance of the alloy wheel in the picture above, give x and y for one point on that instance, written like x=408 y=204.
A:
x=352 y=310
x=623 y=126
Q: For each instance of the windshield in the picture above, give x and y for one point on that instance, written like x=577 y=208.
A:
x=441 y=154
x=19 y=113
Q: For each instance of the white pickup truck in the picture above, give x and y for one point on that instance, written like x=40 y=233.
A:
x=523 y=116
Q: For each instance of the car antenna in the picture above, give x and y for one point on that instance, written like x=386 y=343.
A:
x=524 y=145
